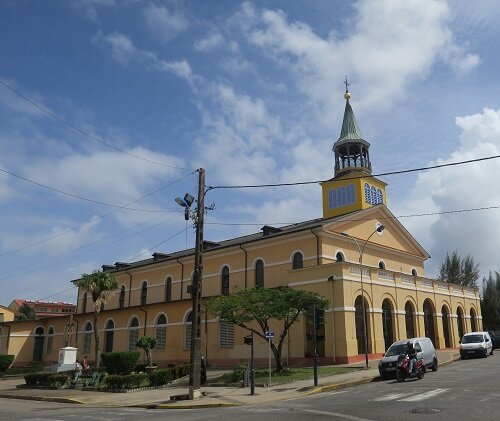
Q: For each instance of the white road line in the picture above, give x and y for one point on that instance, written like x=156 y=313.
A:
x=336 y=414
x=392 y=397
x=423 y=396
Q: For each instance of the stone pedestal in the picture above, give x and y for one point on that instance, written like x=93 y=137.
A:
x=66 y=361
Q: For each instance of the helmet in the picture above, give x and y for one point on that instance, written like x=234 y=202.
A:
x=408 y=343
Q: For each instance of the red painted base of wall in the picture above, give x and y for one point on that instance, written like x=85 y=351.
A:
x=357 y=358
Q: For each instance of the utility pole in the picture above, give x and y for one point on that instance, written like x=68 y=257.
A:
x=195 y=356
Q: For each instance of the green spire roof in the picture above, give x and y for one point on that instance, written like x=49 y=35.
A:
x=350 y=129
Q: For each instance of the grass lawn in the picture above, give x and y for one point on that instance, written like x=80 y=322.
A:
x=287 y=376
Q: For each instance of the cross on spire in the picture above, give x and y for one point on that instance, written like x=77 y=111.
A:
x=347 y=84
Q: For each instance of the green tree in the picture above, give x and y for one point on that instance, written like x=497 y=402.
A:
x=100 y=285
x=147 y=343
x=261 y=305
x=25 y=312
x=490 y=301
x=456 y=270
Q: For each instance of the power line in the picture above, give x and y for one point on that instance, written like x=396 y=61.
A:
x=57 y=293
x=80 y=197
x=299 y=183
x=92 y=220
x=160 y=243
x=84 y=133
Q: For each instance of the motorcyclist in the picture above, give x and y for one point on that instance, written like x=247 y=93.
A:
x=412 y=355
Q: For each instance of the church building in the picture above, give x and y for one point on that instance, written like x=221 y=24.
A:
x=357 y=255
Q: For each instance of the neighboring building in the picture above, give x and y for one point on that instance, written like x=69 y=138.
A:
x=6 y=314
x=320 y=255
x=44 y=309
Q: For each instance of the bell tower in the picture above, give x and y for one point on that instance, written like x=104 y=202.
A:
x=352 y=188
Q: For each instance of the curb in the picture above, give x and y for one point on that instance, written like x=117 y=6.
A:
x=42 y=398
x=174 y=406
x=337 y=386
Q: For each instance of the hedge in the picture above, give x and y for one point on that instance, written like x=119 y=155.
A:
x=5 y=362
x=129 y=381
x=48 y=379
x=161 y=376
x=120 y=362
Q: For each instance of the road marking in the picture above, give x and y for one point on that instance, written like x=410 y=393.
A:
x=335 y=414
x=392 y=397
x=423 y=396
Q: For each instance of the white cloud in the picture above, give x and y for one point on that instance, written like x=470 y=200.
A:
x=209 y=43
x=90 y=7
x=124 y=51
x=164 y=23
x=388 y=44
x=462 y=187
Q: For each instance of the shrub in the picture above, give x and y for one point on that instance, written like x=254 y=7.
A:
x=140 y=368
x=147 y=343
x=40 y=379
x=58 y=379
x=114 y=381
x=161 y=377
x=120 y=362
x=5 y=362
x=238 y=372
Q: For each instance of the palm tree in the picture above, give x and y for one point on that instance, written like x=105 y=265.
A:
x=100 y=285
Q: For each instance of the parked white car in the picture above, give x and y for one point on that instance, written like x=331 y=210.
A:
x=425 y=350
x=476 y=343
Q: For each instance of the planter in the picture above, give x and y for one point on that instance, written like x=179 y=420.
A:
x=150 y=369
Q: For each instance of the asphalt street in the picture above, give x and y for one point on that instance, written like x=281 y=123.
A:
x=465 y=390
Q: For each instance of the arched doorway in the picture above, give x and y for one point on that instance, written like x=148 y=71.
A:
x=387 y=323
x=445 y=316
x=38 y=349
x=360 y=335
x=109 y=336
x=473 y=320
x=429 y=321
x=460 y=322
x=410 y=320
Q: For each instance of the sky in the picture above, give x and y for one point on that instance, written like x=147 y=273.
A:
x=108 y=107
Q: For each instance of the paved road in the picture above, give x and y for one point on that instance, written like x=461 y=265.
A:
x=465 y=390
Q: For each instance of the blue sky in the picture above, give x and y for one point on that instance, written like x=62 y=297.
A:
x=250 y=91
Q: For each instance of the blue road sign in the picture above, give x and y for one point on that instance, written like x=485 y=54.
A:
x=269 y=334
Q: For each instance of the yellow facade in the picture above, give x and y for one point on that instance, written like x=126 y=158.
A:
x=341 y=256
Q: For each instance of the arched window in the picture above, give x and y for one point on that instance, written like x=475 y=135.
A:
x=429 y=320
x=50 y=339
x=367 y=193
x=144 y=293
x=224 y=289
x=122 y=297
x=226 y=335
x=133 y=334
x=38 y=348
x=259 y=274
x=168 y=289
x=379 y=196
x=387 y=323
x=445 y=317
x=298 y=261
x=414 y=272
x=84 y=306
x=373 y=195
x=339 y=257
x=381 y=265
x=187 y=330
x=409 y=320
x=87 y=337
x=460 y=322
x=473 y=322
x=361 y=321
x=109 y=334
x=344 y=195
x=161 y=331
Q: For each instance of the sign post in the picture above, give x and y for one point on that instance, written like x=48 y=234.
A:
x=269 y=335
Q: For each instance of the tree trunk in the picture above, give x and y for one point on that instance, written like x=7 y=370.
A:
x=96 y=341
x=277 y=355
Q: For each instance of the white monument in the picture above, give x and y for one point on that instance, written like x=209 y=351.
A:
x=67 y=360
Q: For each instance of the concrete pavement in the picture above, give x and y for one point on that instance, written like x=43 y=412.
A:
x=215 y=396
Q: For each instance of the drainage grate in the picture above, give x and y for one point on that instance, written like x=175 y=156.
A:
x=425 y=411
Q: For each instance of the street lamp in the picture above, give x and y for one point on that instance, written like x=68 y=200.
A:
x=195 y=290
x=361 y=250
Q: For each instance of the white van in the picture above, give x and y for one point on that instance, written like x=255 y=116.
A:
x=425 y=350
x=476 y=343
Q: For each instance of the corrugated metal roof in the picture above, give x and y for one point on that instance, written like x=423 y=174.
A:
x=350 y=129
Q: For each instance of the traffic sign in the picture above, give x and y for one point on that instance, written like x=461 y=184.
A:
x=269 y=334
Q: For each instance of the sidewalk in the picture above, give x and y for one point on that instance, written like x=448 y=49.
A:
x=215 y=396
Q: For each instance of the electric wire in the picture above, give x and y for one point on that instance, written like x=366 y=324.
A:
x=300 y=183
x=92 y=220
x=84 y=133
x=81 y=197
